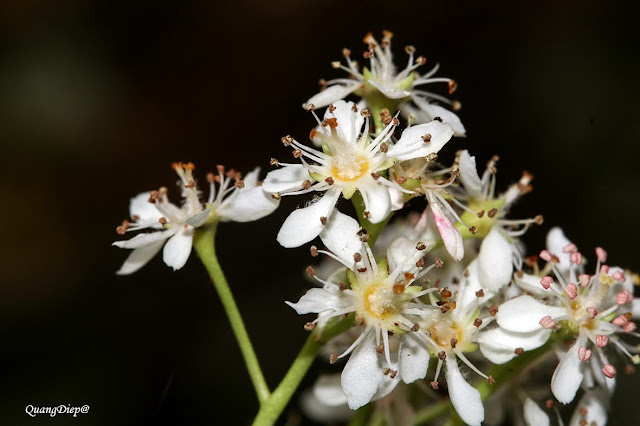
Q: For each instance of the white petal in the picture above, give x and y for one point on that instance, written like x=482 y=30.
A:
x=468 y=288
x=303 y=225
x=500 y=342
x=247 y=205
x=450 y=236
x=387 y=385
x=251 y=179
x=397 y=199
x=413 y=358
x=556 y=241
x=411 y=145
x=363 y=374
x=145 y=211
x=398 y=251
x=340 y=236
x=635 y=308
x=144 y=240
x=139 y=257
x=285 y=178
x=534 y=415
x=596 y=403
x=349 y=122
x=469 y=174
x=177 y=250
x=330 y=95
x=523 y=314
x=377 y=201
x=495 y=264
x=390 y=91
x=568 y=375
x=431 y=111
x=199 y=219
x=464 y=397
x=317 y=300
x=328 y=390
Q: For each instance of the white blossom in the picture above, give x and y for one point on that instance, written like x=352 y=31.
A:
x=173 y=226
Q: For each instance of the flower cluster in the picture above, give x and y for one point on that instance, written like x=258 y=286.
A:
x=442 y=291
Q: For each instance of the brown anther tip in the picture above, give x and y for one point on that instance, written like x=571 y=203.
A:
x=456 y=105
x=335 y=64
x=438 y=262
x=549 y=403
x=331 y=122
x=286 y=141
x=398 y=288
x=309 y=326
x=276 y=196
x=357 y=257
x=477 y=322
x=454 y=342
x=306 y=184
x=480 y=293
x=310 y=107
x=519 y=351
x=342 y=286
x=331 y=108
x=176 y=165
x=415 y=327
x=445 y=293
x=314 y=251
x=420 y=263
x=437 y=119
x=401 y=179
x=272 y=162
x=393 y=373
x=297 y=153
x=434 y=385
x=480 y=213
x=493 y=310
x=452 y=86
x=431 y=157
x=310 y=271
x=421 y=60
x=426 y=137
x=384 y=147
x=322 y=82
x=492 y=213
x=442 y=355
x=380 y=349
x=354 y=108
x=346 y=52
x=329 y=180
x=445 y=308
x=473 y=230
x=366 y=214
x=210 y=177
x=367 y=54
x=491 y=380
x=333 y=358
x=539 y=219
x=239 y=184
x=323 y=220
x=153 y=196
x=365 y=112
x=375 y=175
x=231 y=173
x=162 y=220
x=410 y=49
x=361 y=270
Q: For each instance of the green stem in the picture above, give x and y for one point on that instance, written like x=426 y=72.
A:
x=204 y=244
x=373 y=229
x=271 y=409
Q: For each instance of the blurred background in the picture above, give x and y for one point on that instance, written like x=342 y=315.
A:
x=99 y=97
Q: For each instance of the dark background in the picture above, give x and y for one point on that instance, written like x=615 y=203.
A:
x=98 y=98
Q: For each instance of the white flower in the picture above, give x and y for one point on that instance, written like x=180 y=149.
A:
x=383 y=299
x=594 y=308
x=349 y=162
x=398 y=88
x=236 y=200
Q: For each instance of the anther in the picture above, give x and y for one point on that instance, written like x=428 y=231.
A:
x=438 y=262
x=584 y=280
x=410 y=50
x=592 y=311
x=431 y=157
x=584 y=354
x=445 y=293
x=630 y=327
x=354 y=108
x=549 y=403
x=366 y=214
x=357 y=257
x=385 y=116
x=420 y=246
x=333 y=358
x=323 y=220
x=421 y=60
x=331 y=108
x=415 y=327
x=367 y=54
x=538 y=220
x=211 y=177
x=547 y=322
x=624 y=297
x=609 y=371
x=314 y=251
x=384 y=147
x=473 y=230
x=365 y=112
x=576 y=258
x=480 y=213
x=329 y=180
x=335 y=64
x=620 y=320
x=420 y=263
x=519 y=351
x=434 y=385
x=602 y=340
x=601 y=254
x=401 y=179
x=477 y=322
x=272 y=162
x=453 y=342
x=375 y=175
x=442 y=355
x=310 y=271
x=286 y=140
x=545 y=255
x=437 y=119
x=452 y=86
x=239 y=184
x=493 y=310
x=491 y=380
x=346 y=52
x=456 y=105
x=570 y=248
x=276 y=196
x=297 y=153
x=153 y=196
x=426 y=137
x=480 y=293
x=398 y=288
x=162 y=220
x=311 y=107
x=395 y=121
x=571 y=290
x=492 y=213
x=309 y=326
x=380 y=349
x=306 y=184
x=393 y=373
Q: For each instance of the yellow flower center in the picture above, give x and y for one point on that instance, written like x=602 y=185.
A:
x=349 y=169
x=379 y=301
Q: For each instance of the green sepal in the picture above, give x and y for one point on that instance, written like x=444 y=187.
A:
x=353 y=280
x=483 y=224
x=348 y=192
x=316 y=176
